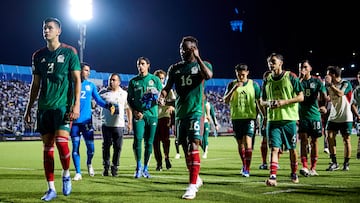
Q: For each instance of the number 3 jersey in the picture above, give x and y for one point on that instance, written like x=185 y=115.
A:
x=54 y=69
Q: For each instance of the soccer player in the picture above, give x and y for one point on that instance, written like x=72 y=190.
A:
x=209 y=118
x=310 y=124
x=83 y=125
x=243 y=95
x=143 y=92
x=56 y=74
x=281 y=93
x=113 y=123
x=163 y=128
x=264 y=143
x=355 y=106
x=341 y=117
x=189 y=77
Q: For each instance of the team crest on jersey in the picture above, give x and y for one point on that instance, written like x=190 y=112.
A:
x=61 y=58
x=195 y=70
x=312 y=85
x=151 y=83
x=43 y=60
x=87 y=87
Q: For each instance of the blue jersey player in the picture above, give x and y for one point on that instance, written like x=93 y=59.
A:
x=83 y=125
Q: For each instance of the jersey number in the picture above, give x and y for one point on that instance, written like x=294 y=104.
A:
x=50 y=68
x=186 y=81
x=83 y=94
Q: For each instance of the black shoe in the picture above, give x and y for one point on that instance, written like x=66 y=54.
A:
x=105 y=172
x=358 y=155
x=168 y=164
x=333 y=167
x=114 y=171
x=159 y=168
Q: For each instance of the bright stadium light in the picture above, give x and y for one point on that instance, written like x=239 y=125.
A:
x=81 y=11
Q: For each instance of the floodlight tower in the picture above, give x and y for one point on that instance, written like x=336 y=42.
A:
x=81 y=11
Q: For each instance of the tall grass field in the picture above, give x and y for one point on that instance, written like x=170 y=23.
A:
x=22 y=177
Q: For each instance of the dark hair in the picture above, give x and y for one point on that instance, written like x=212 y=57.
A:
x=336 y=70
x=190 y=39
x=278 y=56
x=241 y=66
x=83 y=64
x=51 y=19
x=115 y=74
x=266 y=74
x=144 y=58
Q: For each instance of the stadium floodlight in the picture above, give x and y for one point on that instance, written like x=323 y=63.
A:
x=81 y=11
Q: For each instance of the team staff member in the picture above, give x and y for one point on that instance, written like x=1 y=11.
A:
x=113 y=123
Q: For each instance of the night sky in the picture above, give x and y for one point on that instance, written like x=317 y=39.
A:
x=123 y=30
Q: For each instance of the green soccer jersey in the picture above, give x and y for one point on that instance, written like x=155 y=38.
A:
x=54 y=69
x=138 y=86
x=309 y=108
x=189 y=85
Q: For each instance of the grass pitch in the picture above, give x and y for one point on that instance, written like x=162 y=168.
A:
x=22 y=177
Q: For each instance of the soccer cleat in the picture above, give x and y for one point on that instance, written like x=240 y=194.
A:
x=346 y=167
x=49 y=195
x=204 y=156
x=313 y=172
x=242 y=170
x=114 y=171
x=66 y=185
x=77 y=177
x=168 y=164
x=245 y=173
x=304 y=172
x=333 y=167
x=159 y=168
x=91 y=170
x=263 y=166
x=294 y=178
x=105 y=172
x=358 y=155
x=326 y=150
x=138 y=173
x=271 y=181
x=177 y=156
x=199 y=182
x=190 y=192
x=146 y=174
